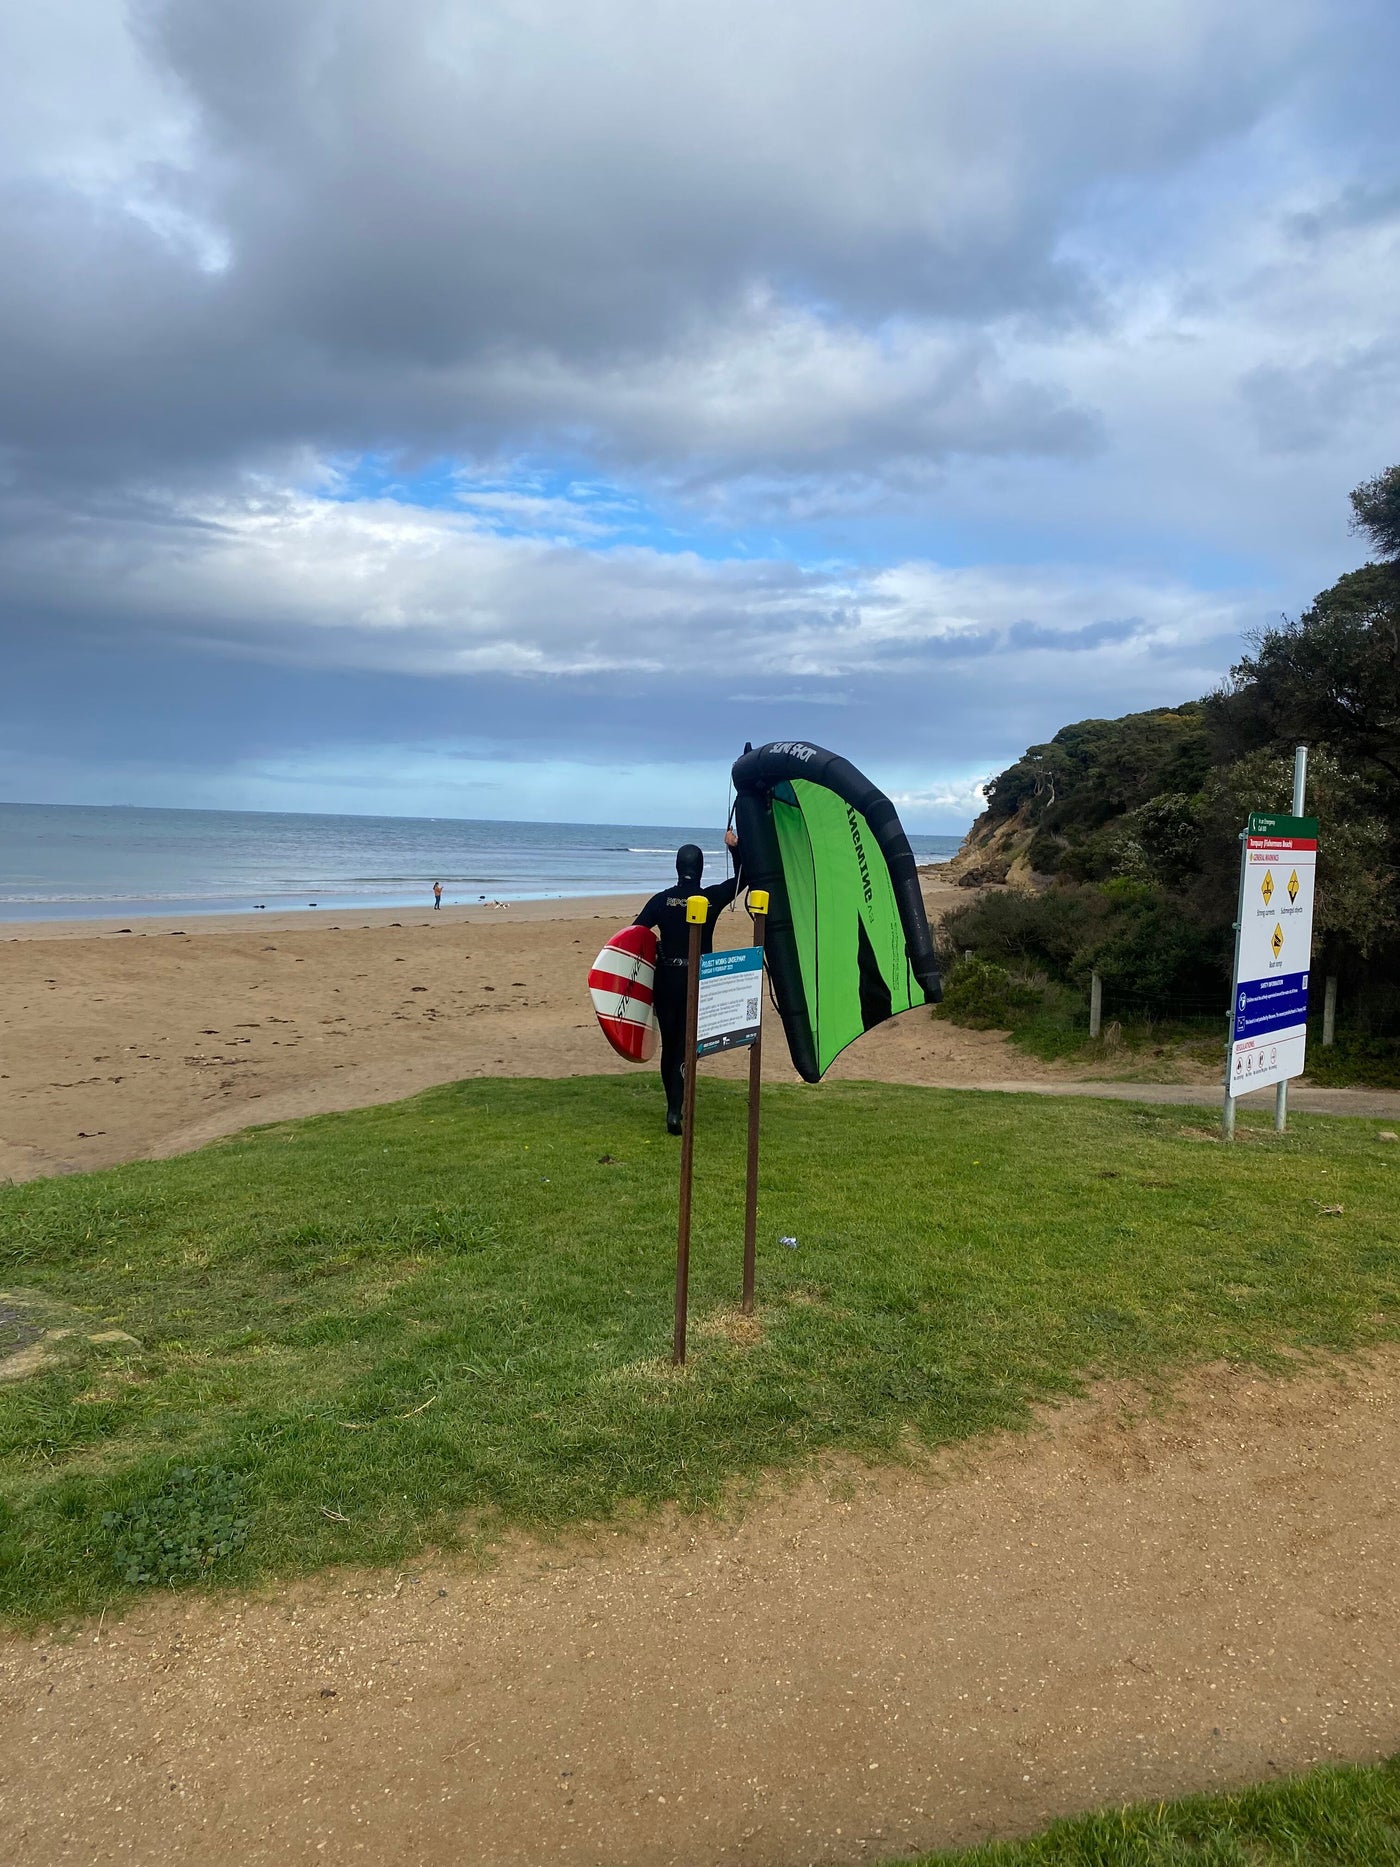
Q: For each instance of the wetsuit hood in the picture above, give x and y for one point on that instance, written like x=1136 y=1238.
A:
x=690 y=864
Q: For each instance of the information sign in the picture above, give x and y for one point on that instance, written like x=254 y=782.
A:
x=1273 y=952
x=731 y=1000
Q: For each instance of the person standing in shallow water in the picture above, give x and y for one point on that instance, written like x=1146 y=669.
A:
x=437 y=894
x=666 y=913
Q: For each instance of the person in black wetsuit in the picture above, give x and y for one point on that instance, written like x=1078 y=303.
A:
x=666 y=913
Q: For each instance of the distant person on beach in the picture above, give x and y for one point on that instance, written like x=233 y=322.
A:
x=437 y=894
x=666 y=913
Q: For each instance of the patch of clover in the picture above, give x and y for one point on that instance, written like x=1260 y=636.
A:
x=178 y=1534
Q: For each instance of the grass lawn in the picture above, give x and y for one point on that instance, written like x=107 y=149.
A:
x=421 y=1324
x=1329 y=1818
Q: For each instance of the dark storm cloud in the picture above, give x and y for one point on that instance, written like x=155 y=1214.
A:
x=427 y=225
x=809 y=265
x=127 y=711
x=1092 y=635
x=300 y=623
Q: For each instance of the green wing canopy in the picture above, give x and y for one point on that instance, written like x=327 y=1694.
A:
x=848 y=942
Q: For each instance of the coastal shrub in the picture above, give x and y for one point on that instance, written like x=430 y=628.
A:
x=1148 y=948
x=985 y=997
x=1017 y=927
x=1160 y=798
x=1095 y=770
x=1373 y=1062
x=1128 y=930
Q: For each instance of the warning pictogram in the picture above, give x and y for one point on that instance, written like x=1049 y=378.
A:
x=1266 y=887
x=1277 y=941
x=1293 y=886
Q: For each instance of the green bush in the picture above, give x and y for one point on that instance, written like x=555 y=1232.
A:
x=1372 y=1062
x=1014 y=925
x=1132 y=932
x=985 y=997
x=1150 y=948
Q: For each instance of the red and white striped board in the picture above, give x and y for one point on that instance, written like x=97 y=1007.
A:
x=620 y=984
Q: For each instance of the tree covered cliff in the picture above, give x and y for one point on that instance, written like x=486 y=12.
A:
x=1120 y=838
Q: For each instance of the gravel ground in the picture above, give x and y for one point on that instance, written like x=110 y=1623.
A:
x=1135 y=1600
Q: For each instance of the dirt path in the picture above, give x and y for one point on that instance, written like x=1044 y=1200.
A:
x=1114 y=1607
x=1382 y=1104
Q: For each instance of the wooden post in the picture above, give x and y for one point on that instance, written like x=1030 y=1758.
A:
x=758 y=907
x=697 y=910
x=1095 y=1004
x=1329 y=1012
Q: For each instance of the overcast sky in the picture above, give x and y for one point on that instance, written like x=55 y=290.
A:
x=508 y=409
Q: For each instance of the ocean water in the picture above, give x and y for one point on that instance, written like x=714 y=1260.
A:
x=68 y=861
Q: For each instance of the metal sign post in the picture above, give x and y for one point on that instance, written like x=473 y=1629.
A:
x=1300 y=780
x=1273 y=956
x=723 y=1011
x=697 y=910
x=758 y=907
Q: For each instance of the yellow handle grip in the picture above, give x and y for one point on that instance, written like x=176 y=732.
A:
x=697 y=910
x=758 y=901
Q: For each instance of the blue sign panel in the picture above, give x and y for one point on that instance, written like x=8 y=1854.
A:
x=1266 y=1006
x=731 y=999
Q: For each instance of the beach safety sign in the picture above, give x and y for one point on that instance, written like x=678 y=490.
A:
x=731 y=1000
x=1273 y=952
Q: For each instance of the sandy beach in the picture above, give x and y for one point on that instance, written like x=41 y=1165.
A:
x=116 y=1045
x=124 y=1040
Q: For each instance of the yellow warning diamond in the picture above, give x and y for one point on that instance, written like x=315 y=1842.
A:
x=1293 y=886
x=1277 y=942
x=1266 y=887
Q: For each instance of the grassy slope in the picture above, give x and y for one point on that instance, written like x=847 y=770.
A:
x=418 y=1322
x=1142 y=1044
x=1329 y=1818
x=1141 y=1049
x=1180 y=1049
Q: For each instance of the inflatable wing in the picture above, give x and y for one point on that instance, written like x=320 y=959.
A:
x=848 y=942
